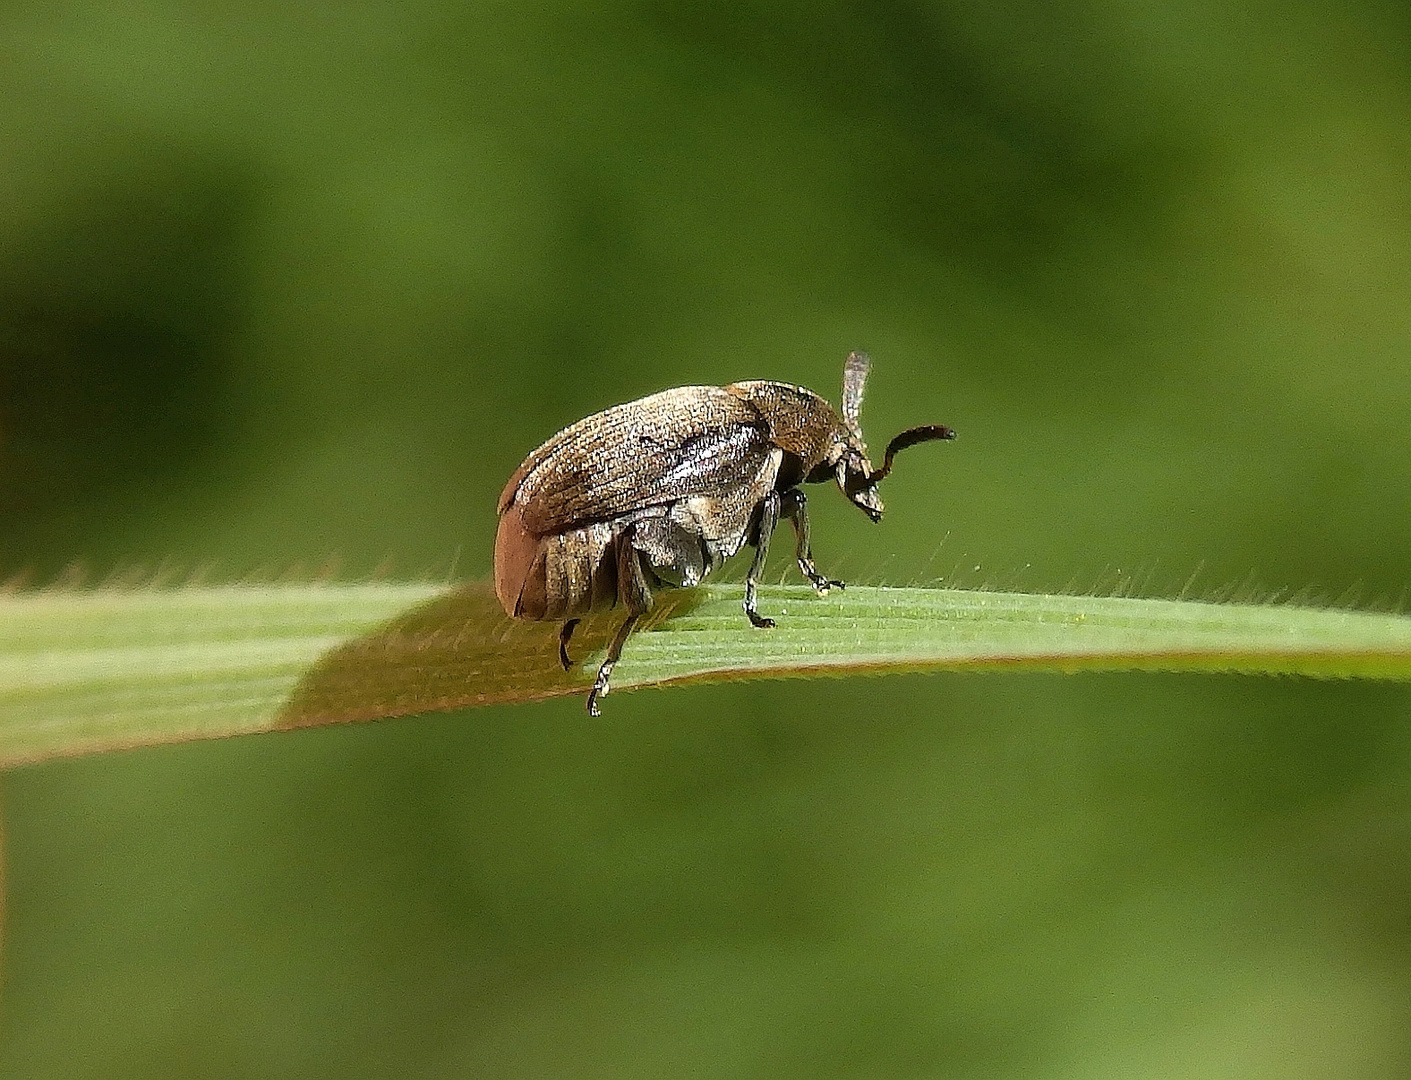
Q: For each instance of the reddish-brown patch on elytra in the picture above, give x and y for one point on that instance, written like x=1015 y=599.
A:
x=516 y=549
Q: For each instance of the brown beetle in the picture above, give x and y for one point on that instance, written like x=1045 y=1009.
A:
x=659 y=492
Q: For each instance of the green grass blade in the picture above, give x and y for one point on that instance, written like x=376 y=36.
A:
x=84 y=672
x=89 y=671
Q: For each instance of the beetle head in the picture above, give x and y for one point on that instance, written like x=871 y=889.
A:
x=855 y=475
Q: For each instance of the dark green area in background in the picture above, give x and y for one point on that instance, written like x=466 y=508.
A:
x=283 y=282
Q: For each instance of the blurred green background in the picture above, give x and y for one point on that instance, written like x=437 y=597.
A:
x=285 y=282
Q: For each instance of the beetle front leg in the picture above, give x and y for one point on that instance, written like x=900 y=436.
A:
x=768 y=519
x=636 y=596
x=793 y=505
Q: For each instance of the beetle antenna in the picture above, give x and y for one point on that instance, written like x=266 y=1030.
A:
x=854 y=382
x=909 y=437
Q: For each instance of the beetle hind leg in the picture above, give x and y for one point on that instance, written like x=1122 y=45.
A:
x=566 y=632
x=600 y=684
x=793 y=505
x=636 y=596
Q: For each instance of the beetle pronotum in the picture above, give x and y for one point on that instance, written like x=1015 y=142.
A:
x=658 y=492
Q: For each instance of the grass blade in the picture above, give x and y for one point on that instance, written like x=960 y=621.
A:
x=85 y=672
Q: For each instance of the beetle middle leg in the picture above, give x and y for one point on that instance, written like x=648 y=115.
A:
x=636 y=596
x=768 y=519
x=793 y=505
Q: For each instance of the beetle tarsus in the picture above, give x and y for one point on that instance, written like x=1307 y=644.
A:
x=566 y=632
x=752 y=604
x=821 y=585
x=794 y=506
x=600 y=684
x=760 y=621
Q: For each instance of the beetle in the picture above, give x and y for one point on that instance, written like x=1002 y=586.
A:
x=659 y=492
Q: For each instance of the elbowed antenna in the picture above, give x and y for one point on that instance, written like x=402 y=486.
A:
x=855 y=370
x=909 y=437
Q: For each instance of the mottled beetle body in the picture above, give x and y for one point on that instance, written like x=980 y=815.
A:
x=659 y=492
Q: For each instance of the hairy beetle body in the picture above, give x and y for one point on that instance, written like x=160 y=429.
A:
x=659 y=492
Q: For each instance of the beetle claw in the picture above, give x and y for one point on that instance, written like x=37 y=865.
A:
x=822 y=584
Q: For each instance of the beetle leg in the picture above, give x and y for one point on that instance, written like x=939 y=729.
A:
x=566 y=632
x=600 y=684
x=794 y=506
x=636 y=596
x=768 y=519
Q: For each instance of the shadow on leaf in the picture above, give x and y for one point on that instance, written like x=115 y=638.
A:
x=453 y=652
